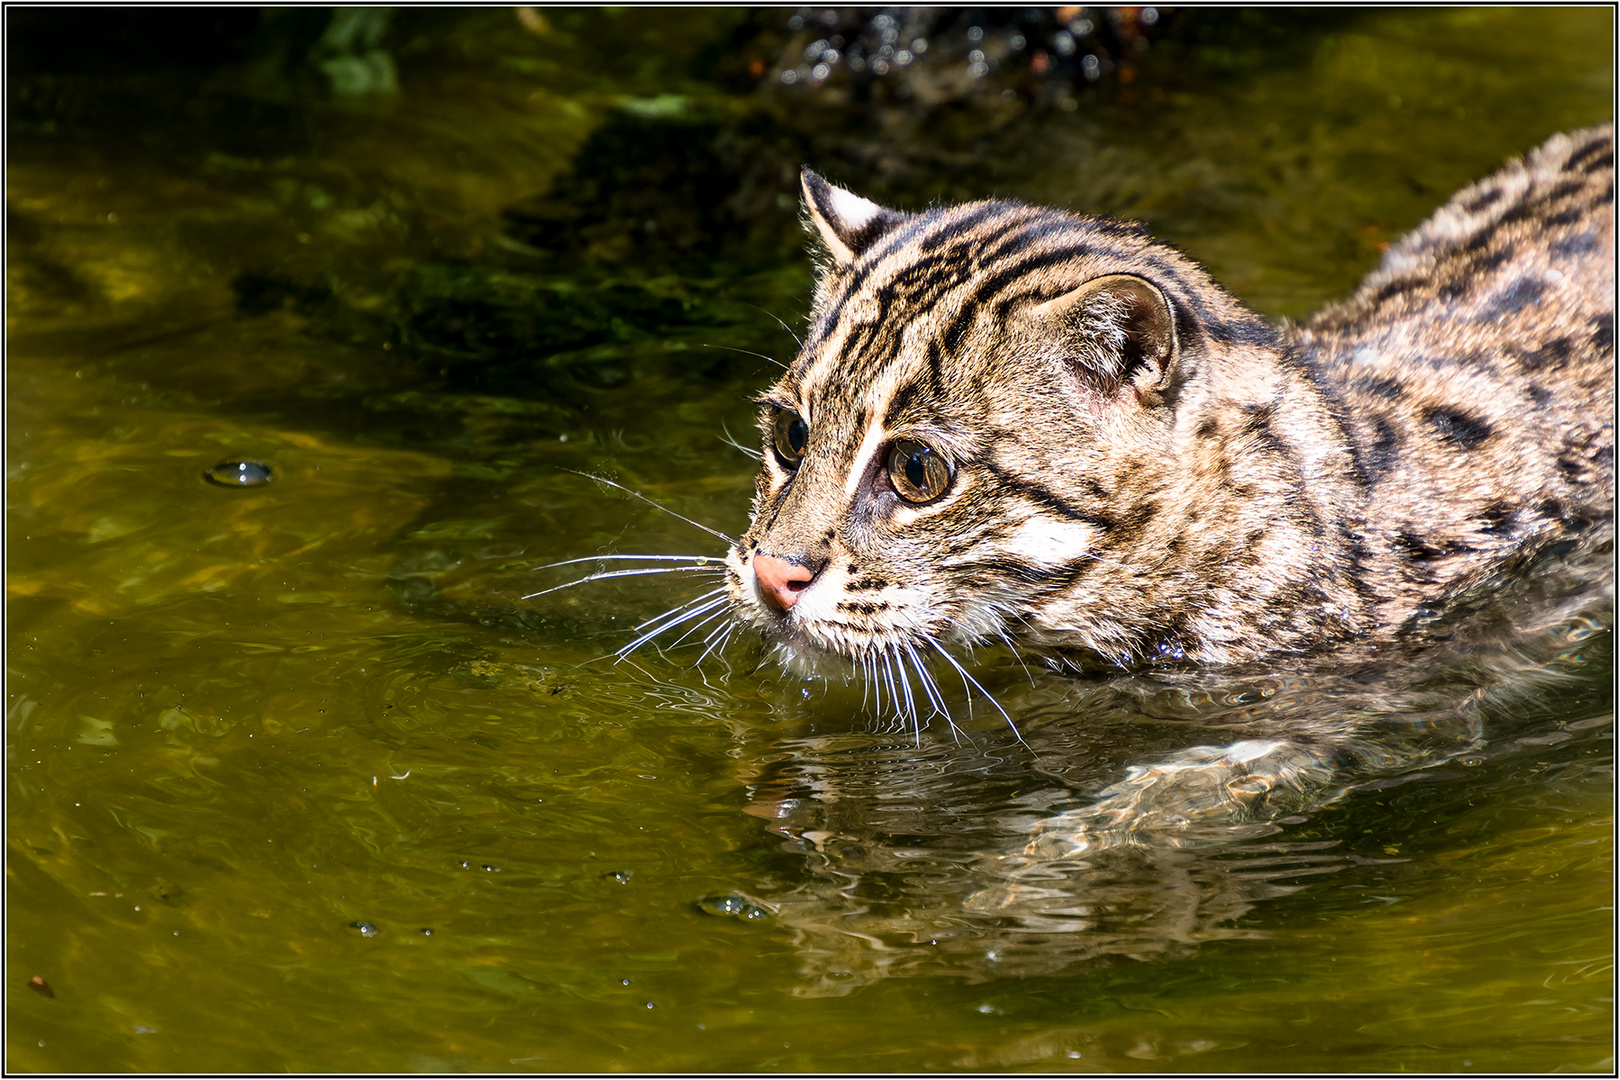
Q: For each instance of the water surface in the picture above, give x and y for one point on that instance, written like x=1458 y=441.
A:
x=298 y=782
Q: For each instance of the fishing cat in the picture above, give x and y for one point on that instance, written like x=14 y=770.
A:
x=1010 y=423
x=1020 y=425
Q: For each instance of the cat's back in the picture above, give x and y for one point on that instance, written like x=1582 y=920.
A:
x=1475 y=368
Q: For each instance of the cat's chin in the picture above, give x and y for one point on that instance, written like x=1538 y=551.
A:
x=807 y=658
x=811 y=661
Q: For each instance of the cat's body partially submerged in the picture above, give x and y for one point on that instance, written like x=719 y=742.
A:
x=1014 y=423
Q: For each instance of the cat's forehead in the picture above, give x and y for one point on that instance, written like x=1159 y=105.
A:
x=905 y=312
x=889 y=327
x=892 y=373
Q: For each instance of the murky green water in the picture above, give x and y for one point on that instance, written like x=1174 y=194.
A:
x=297 y=782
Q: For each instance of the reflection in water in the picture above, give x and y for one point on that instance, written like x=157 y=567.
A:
x=940 y=858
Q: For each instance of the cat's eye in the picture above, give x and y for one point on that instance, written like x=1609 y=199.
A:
x=792 y=435
x=917 y=472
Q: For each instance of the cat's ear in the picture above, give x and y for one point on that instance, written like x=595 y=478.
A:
x=1117 y=329
x=845 y=223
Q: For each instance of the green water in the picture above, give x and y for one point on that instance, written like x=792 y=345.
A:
x=296 y=780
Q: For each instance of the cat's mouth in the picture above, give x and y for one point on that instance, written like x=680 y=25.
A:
x=813 y=646
x=822 y=648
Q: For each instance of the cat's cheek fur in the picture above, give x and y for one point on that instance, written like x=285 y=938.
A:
x=1050 y=543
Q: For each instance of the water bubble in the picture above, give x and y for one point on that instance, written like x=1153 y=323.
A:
x=366 y=929
x=975 y=33
x=238 y=474
x=734 y=907
x=789 y=77
x=1149 y=16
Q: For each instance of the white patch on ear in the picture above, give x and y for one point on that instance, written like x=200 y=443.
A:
x=1042 y=540
x=837 y=214
x=855 y=212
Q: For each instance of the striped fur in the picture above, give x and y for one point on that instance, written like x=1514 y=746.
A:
x=1146 y=471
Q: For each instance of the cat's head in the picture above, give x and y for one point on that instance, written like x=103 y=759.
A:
x=972 y=435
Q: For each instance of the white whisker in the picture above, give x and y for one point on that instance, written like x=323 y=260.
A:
x=698 y=559
x=716 y=640
x=682 y=606
x=966 y=678
x=1008 y=641
x=782 y=324
x=931 y=688
x=731 y=441
x=746 y=352
x=867 y=681
x=650 y=502
x=625 y=573
x=673 y=621
x=888 y=675
x=911 y=703
x=695 y=628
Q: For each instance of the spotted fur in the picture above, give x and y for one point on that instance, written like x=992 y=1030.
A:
x=1143 y=470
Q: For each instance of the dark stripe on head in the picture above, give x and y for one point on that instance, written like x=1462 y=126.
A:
x=1385 y=452
x=952 y=227
x=1481 y=200
x=1554 y=354
x=1520 y=294
x=1594 y=155
x=1388 y=389
x=1459 y=428
x=1602 y=338
x=1046 y=498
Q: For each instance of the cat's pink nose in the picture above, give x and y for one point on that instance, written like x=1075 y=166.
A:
x=781 y=580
